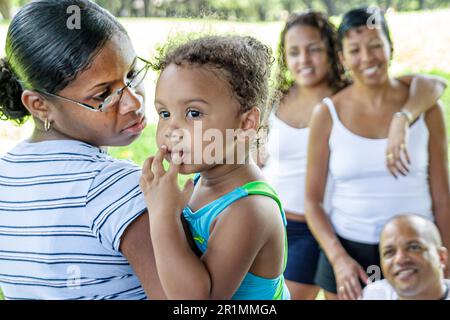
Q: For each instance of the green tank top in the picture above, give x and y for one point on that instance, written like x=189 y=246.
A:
x=252 y=287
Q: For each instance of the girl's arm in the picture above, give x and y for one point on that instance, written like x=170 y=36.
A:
x=439 y=179
x=232 y=247
x=424 y=92
x=347 y=271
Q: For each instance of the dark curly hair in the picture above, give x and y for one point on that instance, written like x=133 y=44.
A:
x=10 y=94
x=319 y=21
x=43 y=53
x=244 y=61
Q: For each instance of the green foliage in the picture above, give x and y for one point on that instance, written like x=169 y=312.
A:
x=248 y=10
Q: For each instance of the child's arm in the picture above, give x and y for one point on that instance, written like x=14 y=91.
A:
x=423 y=94
x=232 y=247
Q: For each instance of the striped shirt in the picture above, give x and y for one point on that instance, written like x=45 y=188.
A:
x=63 y=208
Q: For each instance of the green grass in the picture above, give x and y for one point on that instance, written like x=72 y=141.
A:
x=144 y=147
x=139 y=150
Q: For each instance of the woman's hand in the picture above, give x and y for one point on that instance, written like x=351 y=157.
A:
x=424 y=92
x=160 y=187
x=348 y=273
x=397 y=156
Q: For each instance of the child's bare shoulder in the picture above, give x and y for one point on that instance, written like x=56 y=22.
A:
x=253 y=210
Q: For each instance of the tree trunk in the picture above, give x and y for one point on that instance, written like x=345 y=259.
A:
x=122 y=11
x=400 y=5
x=331 y=7
x=288 y=5
x=387 y=4
x=147 y=8
x=5 y=8
x=421 y=4
x=111 y=6
x=262 y=13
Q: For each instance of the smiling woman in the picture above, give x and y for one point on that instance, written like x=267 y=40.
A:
x=73 y=219
x=348 y=138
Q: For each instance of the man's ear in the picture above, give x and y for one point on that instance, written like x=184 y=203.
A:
x=36 y=105
x=443 y=256
x=250 y=119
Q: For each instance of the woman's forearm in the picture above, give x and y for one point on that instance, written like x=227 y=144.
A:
x=323 y=231
x=424 y=92
x=179 y=269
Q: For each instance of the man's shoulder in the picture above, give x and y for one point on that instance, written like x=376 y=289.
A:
x=379 y=290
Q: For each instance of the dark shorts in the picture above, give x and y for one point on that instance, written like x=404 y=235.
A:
x=303 y=253
x=367 y=255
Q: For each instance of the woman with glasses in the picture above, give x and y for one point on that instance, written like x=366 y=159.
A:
x=73 y=221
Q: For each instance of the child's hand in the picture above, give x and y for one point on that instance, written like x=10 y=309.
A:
x=161 y=191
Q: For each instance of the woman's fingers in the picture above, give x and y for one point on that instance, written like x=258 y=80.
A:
x=398 y=160
x=342 y=292
x=157 y=166
x=402 y=161
x=390 y=163
x=353 y=288
x=404 y=151
x=362 y=275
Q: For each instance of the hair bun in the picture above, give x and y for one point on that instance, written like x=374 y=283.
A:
x=11 y=107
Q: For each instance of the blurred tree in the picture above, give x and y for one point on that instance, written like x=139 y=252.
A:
x=147 y=8
x=308 y=3
x=247 y=10
x=5 y=8
x=421 y=4
x=331 y=7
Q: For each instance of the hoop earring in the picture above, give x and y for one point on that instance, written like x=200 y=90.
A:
x=47 y=125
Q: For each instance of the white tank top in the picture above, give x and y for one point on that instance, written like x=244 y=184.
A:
x=285 y=168
x=365 y=195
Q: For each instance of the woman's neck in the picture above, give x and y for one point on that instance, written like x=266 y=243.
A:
x=40 y=135
x=312 y=95
x=375 y=96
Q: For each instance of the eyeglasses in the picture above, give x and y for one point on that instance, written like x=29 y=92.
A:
x=115 y=97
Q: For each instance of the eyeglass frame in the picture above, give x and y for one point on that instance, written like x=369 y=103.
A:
x=120 y=91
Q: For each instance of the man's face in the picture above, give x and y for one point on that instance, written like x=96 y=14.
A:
x=411 y=261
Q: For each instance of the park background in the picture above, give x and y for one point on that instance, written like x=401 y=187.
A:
x=420 y=31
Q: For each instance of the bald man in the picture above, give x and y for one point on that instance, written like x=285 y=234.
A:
x=412 y=260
